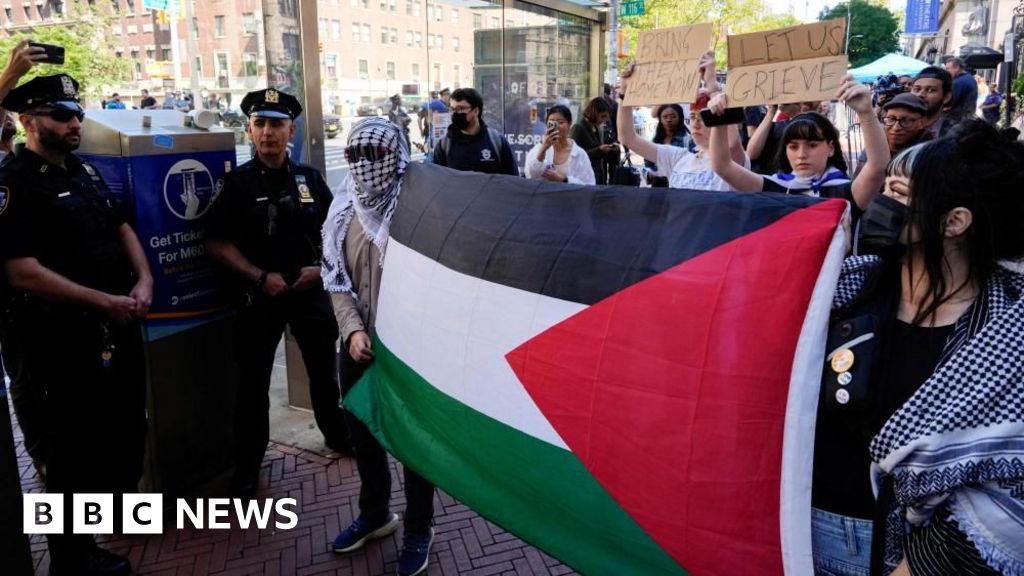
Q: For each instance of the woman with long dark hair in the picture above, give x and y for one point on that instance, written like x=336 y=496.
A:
x=811 y=159
x=671 y=130
x=923 y=385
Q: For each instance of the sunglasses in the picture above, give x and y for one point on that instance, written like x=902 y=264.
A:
x=371 y=153
x=61 y=114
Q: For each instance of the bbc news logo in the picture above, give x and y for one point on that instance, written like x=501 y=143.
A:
x=144 y=513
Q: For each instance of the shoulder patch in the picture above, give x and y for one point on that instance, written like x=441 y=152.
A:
x=5 y=198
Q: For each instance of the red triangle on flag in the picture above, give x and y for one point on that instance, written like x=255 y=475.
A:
x=673 y=391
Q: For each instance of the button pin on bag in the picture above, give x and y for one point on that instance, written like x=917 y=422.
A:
x=844 y=378
x=842 y=361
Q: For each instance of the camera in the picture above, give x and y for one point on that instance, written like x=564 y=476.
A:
x=887 y=86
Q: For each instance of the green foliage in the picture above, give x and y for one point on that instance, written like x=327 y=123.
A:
x=874 y=30
x=88 y=49
x=1018 y=87
x=725 y=16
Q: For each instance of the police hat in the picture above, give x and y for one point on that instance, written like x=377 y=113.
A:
x=271 y=103
x=58 y=91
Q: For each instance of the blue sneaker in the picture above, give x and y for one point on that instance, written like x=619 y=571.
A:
x=359 y=532
x=415 y=554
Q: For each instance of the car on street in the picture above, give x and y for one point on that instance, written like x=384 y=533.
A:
x=375 y=107
x=332 y=125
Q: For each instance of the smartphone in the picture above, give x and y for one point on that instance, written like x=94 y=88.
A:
x=54 y=53
x=731 y=116
x=552 y=126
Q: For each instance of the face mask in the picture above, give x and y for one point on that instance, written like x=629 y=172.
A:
x=460 y=120
x=882 y=225
x=375 y=177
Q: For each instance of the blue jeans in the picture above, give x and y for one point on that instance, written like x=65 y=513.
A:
x=841 y=545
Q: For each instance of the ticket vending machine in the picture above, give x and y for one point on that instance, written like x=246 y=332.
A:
x=165 y=174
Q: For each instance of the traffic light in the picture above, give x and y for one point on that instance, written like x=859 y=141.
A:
x=623 y=42
x=163 y=18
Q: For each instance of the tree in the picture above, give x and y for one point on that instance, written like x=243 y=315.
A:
x=726 y=17
x=874 y=30
x=88 y=49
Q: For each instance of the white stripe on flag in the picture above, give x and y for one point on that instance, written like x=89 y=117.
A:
x=475 y=322
x=801 y=409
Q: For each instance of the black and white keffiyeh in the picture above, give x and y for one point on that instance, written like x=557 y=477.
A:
x=958 y=443
x=369 y=192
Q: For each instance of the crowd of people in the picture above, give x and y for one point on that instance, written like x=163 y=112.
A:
x=925 y=369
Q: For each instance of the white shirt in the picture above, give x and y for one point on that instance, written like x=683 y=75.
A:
x=691 y=171
x=579 y=169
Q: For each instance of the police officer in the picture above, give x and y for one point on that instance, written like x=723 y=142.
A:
x=264 y=226
x=75 y=286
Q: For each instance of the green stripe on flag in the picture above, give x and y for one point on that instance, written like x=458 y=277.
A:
x=533 y=489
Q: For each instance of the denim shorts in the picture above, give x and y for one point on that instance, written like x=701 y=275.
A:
x=841 y=545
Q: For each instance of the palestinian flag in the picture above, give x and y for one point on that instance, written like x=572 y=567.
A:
x=626 y=378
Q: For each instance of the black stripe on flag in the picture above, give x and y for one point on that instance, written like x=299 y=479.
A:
x=576 y=243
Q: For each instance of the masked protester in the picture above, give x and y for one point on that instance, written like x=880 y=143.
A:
x=921 y=388
x=471 y=144
x=355 y=241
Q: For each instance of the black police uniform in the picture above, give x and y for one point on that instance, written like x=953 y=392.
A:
x=77 y=376
x=274 y=217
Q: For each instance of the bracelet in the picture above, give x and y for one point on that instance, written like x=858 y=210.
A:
x=262 y=279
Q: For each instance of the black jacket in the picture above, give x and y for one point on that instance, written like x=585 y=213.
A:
x=475 y=153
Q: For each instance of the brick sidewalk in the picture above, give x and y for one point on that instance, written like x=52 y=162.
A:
x=328 y=493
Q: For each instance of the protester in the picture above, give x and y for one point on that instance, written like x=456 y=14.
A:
x=990 y=107
x=811 y=158
x=903 y=120
x=115 y=102
x=687 y=168
x=907 y=81
x=588 y=133
x=147 y=102
x=935 y=86
x=763 y=146
x=924 y=380
x=398 y=116
x=470 y=143
x=264 y=229
x=964 y=103
x=355 y=241
x=558 y=158
x=75 y=288
x=670 y=130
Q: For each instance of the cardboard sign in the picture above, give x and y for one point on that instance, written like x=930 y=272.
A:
x=666 y=65
x=794 y=81
x=794 y=64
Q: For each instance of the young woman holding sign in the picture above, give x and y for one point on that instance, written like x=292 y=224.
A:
x=688 y=168
x=811 y=158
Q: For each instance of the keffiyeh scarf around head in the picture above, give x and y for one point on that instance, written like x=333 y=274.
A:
x=810 y=185
x=369 y=192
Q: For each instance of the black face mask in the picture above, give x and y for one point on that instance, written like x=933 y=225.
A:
x=882 y=225
x=460 y=120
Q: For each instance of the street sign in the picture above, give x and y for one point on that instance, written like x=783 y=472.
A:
x=632 y=8
x=155 y=4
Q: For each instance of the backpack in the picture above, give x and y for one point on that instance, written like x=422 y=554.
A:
x=446 y=144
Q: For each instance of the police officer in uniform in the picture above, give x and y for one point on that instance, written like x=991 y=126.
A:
x=75 y=286
x=264 y=226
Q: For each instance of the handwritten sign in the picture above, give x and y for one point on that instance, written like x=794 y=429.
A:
x=793 y=64
x=666 y=65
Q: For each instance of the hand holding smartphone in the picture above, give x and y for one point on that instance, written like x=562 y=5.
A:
x=730 y=116
x=53 y=54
